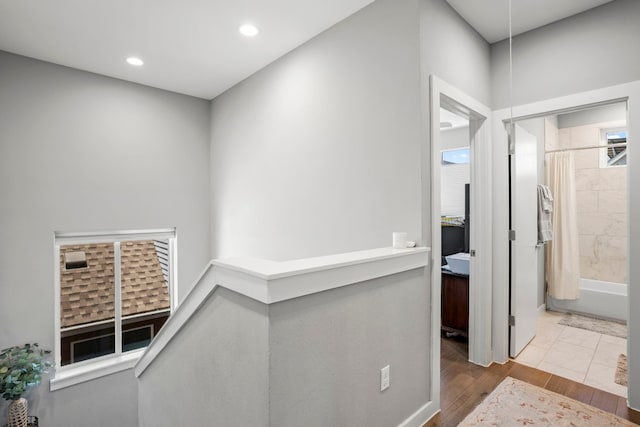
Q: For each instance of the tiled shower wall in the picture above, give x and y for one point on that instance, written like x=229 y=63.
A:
x=602 y=208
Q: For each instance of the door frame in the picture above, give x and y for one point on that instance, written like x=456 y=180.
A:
x=446 y=95
x=629 y=92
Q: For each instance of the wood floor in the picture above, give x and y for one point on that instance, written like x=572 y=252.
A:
x=464 y=385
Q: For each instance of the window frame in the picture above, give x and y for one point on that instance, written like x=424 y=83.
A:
x=86 y=370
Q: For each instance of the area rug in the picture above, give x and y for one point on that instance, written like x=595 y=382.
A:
x=516 y=403
x=596 y=325
x=621 y=370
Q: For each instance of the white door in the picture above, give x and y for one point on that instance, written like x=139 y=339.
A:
x=524 y=260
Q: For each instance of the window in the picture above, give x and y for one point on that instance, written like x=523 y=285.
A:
x=114 y=293
x=614 y=152
x=456 y=157
x=101 y=345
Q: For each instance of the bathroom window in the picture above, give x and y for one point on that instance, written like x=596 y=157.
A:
x=114 y=292
x=614 y=152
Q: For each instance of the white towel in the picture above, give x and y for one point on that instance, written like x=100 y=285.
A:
x=547 y=198
x=545 y=207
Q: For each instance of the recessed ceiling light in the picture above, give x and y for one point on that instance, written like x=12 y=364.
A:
x=137 y=62
x=248 y=30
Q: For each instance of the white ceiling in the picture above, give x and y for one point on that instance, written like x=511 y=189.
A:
x=188 y=46
x=193 y=46
x=490 y=18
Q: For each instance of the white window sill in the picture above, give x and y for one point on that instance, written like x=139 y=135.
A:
x=72 y=375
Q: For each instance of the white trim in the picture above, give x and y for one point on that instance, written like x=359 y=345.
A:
x=86 y=325
x=71 y=238
x=270 y=282
x=629 y=92
x=117 y=298
x=274 y=270
x=173 y=273
x=91 y=371
x=436 y=233
x=542 y=308
x=57 y=334
x=481 y=225
x=104 y=322
x=147 y=314
x=421 y=416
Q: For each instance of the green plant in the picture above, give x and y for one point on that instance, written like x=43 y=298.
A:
x=21 y=367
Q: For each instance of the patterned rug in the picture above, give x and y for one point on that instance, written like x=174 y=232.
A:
x=621 y=370
x=516 y=403
x=596 y=325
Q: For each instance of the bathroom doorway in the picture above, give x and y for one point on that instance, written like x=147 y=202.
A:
x=580 y=267
x=629 y=93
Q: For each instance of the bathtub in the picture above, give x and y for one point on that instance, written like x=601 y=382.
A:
x=607 y=300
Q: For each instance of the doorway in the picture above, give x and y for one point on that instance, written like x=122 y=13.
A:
x=455 y=194
x=581 y=159
x=451 y=99
x=500 y=324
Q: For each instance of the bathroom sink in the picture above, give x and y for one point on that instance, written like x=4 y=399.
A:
x=458 y=263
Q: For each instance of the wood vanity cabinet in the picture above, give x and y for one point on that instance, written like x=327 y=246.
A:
x=455 y=303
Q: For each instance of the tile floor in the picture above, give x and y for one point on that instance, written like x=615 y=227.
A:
x=577 y=354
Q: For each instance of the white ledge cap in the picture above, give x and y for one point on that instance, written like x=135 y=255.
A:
x=270 y=270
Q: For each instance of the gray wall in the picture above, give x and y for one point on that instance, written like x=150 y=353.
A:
x=592 y=116
x=588 y=51
x=454 y=51
x=319 y=152
x=82 y=152
x=449 y=49
x=309 y=361
x=327 y=350
x=110 y=401
x=214 y=372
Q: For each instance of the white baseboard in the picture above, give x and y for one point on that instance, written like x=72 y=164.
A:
x=542 y=308
x=421 y=416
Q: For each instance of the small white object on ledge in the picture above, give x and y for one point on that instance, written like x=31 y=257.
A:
x=411 y=244
x=399 y=240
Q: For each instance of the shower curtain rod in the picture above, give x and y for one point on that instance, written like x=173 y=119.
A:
x=619 y=144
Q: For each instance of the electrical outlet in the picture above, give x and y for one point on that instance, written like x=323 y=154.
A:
x=385 y=378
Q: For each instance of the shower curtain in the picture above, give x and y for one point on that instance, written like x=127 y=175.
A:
x=563 y=252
